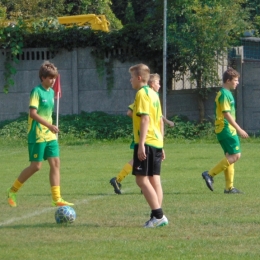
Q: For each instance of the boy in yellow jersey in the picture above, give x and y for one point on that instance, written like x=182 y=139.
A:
x=227 y=131
x=148 y=138
x=42 y=140
x=154 y=83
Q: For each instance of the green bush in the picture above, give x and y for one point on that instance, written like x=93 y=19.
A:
x=185 y=129
x=101 y=126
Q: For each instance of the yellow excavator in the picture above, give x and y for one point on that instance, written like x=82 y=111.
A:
x=96 y=22
x=93 y=21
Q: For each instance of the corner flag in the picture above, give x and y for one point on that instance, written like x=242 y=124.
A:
x=57 y=87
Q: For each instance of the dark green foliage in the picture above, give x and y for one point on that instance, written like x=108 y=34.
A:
x=95 y=125
x=15 y=129
x=185 y=129
x=102 y=126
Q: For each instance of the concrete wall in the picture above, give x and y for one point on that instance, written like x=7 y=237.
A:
x=248 y=91
x=185 y=102
x=83 y=90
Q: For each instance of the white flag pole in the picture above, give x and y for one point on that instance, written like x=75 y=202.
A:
x=57 y=111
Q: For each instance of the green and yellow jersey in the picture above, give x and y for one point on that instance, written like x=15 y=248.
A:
x=147 y=103
x=43 y=101
x=224 y=102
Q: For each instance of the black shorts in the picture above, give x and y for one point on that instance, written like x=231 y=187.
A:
x=151 y=165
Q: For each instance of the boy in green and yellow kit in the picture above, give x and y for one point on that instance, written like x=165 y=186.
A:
x=42 y=140
x=227 y=131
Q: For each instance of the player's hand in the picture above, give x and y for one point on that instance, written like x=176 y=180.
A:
x=243 y=133
x=54 y=129
x=171 y=124
x=141 y=153
x=163 y=155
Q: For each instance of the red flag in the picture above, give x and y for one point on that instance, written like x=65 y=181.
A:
x=56 y=87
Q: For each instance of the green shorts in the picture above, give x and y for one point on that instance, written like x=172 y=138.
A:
x=42 y=151
x=230 y=145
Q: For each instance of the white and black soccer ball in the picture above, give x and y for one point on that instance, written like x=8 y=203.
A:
x=65 y=214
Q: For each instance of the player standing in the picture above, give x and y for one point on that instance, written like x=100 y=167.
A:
x=154 y=83
x=148 y=138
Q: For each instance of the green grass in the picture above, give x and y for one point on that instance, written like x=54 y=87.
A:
x=202 y=224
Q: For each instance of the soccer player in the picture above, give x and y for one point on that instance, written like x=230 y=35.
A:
x=42 y=140
x=154 y=83
x=128 y=167
x=227 y=131
x=148 y=131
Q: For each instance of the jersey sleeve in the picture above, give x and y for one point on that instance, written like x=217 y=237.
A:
x=142 y=103
x=34 y=99
x=131 y=107
x=224 y=103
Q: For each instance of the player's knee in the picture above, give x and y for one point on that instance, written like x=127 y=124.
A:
x=234 y=157
x=140 y=180
x=36 y=167
x=237 y=156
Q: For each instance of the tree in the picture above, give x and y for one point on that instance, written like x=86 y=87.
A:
x=253 y=7
x=141 y=10
x=29 y=9
x=200 y=31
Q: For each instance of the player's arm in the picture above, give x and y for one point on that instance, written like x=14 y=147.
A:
x=231 y=121
x=162 y=132
x=34 y=115
x=168 y=122
x=130 y=110
x=143 y=132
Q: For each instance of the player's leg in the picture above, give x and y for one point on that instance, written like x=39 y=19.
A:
x=232 y=155
x=116 y=181
x=231 y=148
x=157 y=218
x=35 y=157
x=148 y=191
x=126 y=170
x=141 y=170
x=52 y=155
x=155 y=181
x=229 y=177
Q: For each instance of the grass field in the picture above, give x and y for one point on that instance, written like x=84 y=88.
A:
x=202 y=224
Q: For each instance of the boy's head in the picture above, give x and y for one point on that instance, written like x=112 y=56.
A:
x=140 y=74
x=154 y=82
x=230 y=78
x=48 y=69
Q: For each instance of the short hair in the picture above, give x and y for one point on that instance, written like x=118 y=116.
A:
x=229 y=74
x=141 y=70
x=153 y=77
x=48 y=69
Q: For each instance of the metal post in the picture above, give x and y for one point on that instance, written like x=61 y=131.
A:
x=164 y=56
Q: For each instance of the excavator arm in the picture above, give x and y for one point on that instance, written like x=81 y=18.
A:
x=96 y=22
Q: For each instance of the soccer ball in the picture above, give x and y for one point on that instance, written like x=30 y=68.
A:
x=65 y=214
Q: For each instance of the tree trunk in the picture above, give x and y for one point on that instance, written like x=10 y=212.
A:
x=200 y=96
